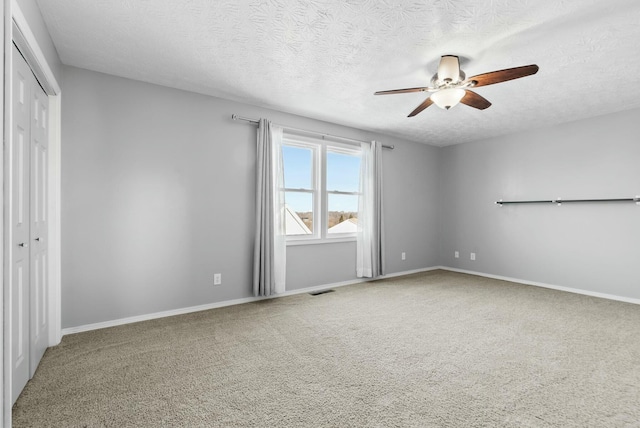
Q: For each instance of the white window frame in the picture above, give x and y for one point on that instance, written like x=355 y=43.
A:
x=319 y=148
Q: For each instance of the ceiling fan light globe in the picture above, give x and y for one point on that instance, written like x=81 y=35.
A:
x=447 y=98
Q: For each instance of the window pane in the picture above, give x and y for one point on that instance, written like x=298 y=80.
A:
x=299 y=215
x=297 y=167
x=343 y=214
x=343 y=172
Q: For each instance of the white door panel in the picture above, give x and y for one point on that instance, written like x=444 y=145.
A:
x=19 y=188
x=38 y=229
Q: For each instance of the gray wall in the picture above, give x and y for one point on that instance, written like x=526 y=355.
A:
x=158 y=194
x=594 y=247
x=31 y=12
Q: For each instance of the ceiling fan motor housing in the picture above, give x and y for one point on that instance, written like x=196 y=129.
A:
x=449 y=73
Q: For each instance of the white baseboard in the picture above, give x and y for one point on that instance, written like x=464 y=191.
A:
x=409 y=272
x=180 y=311
x=540 y=284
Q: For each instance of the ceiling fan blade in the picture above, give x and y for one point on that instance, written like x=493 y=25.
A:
x=449 y=68
x=402 y=91
x=426 y=103
x=503 y=75
x=474 y=100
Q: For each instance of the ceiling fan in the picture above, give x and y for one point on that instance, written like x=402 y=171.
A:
x=449 y=86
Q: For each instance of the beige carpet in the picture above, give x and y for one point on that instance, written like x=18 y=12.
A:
x=437 y=349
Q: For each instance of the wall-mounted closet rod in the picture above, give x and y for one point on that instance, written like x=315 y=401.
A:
x=304 y=131
x=568 y=201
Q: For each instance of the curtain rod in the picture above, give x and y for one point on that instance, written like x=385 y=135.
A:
x=256 y=121
x=562 y=201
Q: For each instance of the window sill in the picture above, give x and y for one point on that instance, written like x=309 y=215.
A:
x=296 y=242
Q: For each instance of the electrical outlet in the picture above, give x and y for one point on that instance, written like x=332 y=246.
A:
x=404 y=256
x=456 y=254
x=473 y=256
x=217 y=279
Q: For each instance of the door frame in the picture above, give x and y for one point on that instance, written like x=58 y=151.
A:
x=16 y=29
x=3 y=381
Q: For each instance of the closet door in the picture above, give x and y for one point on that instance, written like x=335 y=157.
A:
x=27 y=223
x=39 y=316
x=19 y=222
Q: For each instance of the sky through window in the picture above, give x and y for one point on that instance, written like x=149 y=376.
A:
x=343 y=174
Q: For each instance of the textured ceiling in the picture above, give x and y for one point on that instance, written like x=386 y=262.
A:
x=325 y=58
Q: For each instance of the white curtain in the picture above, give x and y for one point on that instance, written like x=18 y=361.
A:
x=270 y=251
x=370 y=237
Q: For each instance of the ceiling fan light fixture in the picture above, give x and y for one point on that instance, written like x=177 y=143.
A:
x=447 y=98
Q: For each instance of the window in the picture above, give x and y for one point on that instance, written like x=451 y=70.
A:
x=321 y=185
x=343 y=184
x=301 y=184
